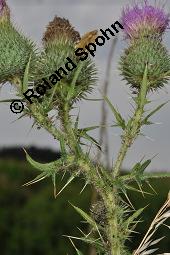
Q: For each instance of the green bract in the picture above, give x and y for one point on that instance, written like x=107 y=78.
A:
x=144 y=51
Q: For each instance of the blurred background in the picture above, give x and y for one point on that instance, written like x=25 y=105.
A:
x=31 y=220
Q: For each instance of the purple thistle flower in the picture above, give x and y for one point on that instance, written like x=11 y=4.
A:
x=2 y=4
x=4 y=11
x=144 y=20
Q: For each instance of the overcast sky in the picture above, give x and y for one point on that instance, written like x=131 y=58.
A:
x=31 y=17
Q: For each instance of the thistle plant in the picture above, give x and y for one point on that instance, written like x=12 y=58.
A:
x=144 y=65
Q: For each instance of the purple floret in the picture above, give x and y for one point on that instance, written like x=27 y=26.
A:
x=144 y=18
x=2 y=4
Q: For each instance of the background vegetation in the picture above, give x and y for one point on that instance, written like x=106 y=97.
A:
x=32 y=222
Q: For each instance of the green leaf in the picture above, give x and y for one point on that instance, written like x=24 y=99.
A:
x=91 y=139
x=145 y=165
x=155 y=175
x=47 y=167
x=136 y=168
x=119 y=119
x=72 y=87
x=89 y=128
x=135 y=190
x=134 y=216
x=77 y=122
x=39 y=178
x=145 y=121
x=26 y=76
x=139 y=168
x=85 y=216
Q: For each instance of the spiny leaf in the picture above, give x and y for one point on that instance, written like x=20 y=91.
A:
x=145 y=121
x=145 y=165
x=85 y=216
x=136 y=168
x=89 y=128
x=155 y=175
x=39 y=178
x=89 y=240
x=91 y=139
x=77 y=122
x=135 y=215
x=72 y=177
x=71 y=90
x=119 y=119
x=134 y=189
x=47 y=167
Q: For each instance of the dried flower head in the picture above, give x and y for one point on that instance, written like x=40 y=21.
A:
x=144 y=20
x=60 y=28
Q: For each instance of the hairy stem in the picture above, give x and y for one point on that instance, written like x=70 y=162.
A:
x=66 y=123
x=113 y=225
x=128 y=138
x=45 y=122
x=133 y=127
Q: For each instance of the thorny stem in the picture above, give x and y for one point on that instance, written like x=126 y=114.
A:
x=128 y=138
x=45 y=122
x=133 y=127
x=68 y=130
x=104 y=190
x=113 y=226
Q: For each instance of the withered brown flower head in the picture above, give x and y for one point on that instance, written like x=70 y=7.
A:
x=60 y=28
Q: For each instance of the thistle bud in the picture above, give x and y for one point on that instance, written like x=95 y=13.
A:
x=60 y=40
x=15 y=49
x=141 y=52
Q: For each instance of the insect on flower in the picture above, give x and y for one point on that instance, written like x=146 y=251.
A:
x=87 y=38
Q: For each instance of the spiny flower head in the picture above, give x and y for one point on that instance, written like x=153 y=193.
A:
x=144 y=20
x=135 y=57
